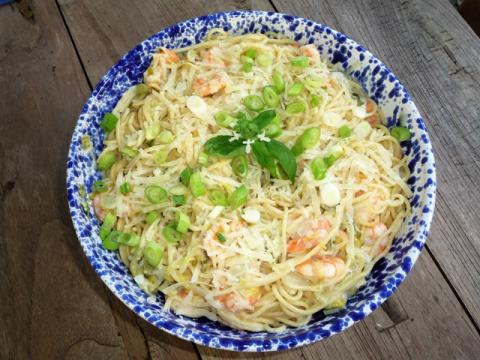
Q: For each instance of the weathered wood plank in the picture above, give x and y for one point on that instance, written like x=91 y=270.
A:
x=105 y=30
x=116 y=31
x=435 y=54
x=52 y=303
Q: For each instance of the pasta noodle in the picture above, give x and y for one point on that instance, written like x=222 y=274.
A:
x=290 y=248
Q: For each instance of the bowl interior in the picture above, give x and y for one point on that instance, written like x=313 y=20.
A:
x=346 y=55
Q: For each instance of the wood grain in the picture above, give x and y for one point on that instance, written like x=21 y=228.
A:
x=52 y=303
x=435 y=54
x=105 y=30
x=38 y=63
x=367 y=338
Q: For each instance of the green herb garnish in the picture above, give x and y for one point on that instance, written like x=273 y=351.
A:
x=269 y=153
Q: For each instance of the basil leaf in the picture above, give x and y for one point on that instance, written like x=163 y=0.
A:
x=263 y=119
x=222 y=146
x=246 y=128
x=263 y=156
x=284 y=156
x=242 y=116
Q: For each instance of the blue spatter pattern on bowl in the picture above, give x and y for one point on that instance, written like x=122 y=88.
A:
x=336 y=48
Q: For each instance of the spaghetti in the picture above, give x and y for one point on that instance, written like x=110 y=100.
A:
x=259 y=241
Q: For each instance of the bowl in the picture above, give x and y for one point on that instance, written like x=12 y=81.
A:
x=345 y=54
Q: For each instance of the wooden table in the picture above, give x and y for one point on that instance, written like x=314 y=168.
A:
x=52 y=305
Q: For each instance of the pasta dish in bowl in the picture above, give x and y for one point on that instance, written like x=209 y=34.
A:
x=248 y=180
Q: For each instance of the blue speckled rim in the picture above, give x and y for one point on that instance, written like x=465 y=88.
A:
x=344 y=53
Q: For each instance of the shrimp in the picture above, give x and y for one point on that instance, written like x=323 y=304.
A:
x=182 y=292
x=210 y=242
x=156 y=72
x=371 y=108
x=98 y=207
x=202 y=87
x=310 y=51
x=169 y=55
x=213 y=57
x=235 y=302
x=312 y=231
x=377 y=234
x=328 y=267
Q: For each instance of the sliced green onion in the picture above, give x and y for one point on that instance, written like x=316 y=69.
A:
x=238 y=197
x=123 y=238
x=300 y=61
x=310 y=137
x=247 y=67
x=264 y=60
x=221 y=238
x=315 y=81
x=185 y=176
x=106 y=160
x=246 y=60
x=278 y=82
x=160 y=156
x=296 y=89
x=401 y=133
x=82 y=191
x=336 y=150
x=183 y=222
x=203 y=158
x=110 y=242
x=152 y=131
x=296 y=107
x=155 y=194
x=250 y=53
x=165 y=137
x=141 y=90
x=319 y=168
x=151 y=217
x=239 y=165
x=170 y=234
x=86 y=142
x=334 y=153
x=128 y=151
x=125 y=188
x=104 y=232
x=329 y=159
x=218 y=197
x=270 y=96
x=109 y=122
x=197 y=187
x=109 y=221
x=314 y=100
x=133 y=240
x=153 y=253
x=273 y=130
x=178 y=190
x=179 y=200
x=99 y=186
x=344 y=131
x=307 y=140
x=225 y=120
x=253 y=102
